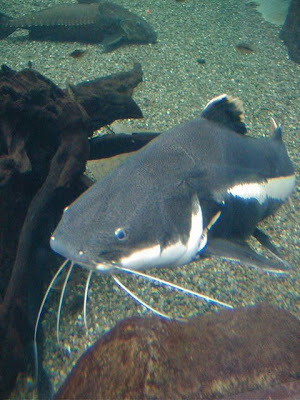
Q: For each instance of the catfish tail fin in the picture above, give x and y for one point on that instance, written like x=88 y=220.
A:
x=5 y=28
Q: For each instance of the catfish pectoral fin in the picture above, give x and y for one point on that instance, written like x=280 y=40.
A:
x=265 y=241
x=242 y=252
x=110 y=42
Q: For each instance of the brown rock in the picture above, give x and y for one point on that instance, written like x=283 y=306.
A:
x=209 y=357
x=290 y=32
x=285 y=391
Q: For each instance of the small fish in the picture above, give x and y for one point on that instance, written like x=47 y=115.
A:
x=104 y=22
x=78 y=53
x=200 y=188
x=244 y=48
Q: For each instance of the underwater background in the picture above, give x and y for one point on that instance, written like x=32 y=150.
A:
x=204 y=48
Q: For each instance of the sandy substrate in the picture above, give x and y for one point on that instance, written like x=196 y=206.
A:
x=176 y=88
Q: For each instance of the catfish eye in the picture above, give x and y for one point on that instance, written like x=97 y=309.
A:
x=120 y=234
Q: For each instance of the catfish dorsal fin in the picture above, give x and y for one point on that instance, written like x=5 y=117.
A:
x=275 y=130
x=227 y=111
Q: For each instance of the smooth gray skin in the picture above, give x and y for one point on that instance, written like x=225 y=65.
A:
x=149 y=195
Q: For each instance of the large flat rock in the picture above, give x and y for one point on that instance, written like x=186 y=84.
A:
x=210 y=356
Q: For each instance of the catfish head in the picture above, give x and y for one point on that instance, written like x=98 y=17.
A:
x=128 y=221
x=138 y=30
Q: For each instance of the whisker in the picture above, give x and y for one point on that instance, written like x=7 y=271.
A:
x=61 y=300
x=39 y=316
x=86 y=298
x=140 y=301
x=174 y=286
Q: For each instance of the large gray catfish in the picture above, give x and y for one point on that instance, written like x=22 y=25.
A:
x=201 y=187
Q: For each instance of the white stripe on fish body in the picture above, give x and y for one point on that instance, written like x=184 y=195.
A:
x=196 y=239
x=147 y=257
x=274 y=188
x=175 y=254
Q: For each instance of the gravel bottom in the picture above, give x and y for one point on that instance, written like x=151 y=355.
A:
x=176 y=88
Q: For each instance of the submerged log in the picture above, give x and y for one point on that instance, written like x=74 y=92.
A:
x=44 y=147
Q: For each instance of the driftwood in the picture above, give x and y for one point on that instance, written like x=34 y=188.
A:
x=44 y=147
x=111 y=145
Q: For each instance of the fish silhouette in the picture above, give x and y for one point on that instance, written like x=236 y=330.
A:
x=200 y=188
x=106 y=23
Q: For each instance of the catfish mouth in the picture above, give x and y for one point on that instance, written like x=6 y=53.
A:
x=83 y=259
